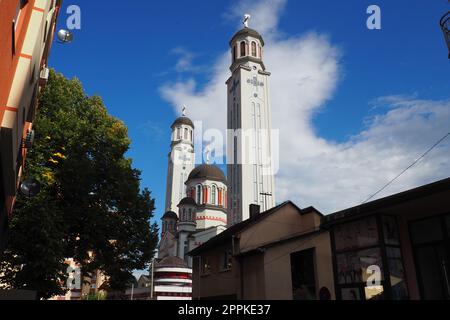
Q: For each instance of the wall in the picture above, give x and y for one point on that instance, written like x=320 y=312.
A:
x=217 y=283
x=277 y=260
x=23 y=53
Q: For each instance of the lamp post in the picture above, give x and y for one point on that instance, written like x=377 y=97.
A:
x=445 y=26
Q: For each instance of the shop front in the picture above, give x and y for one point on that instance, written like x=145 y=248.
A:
x=394 y=248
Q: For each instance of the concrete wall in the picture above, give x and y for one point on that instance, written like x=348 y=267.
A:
x=277 y=260
x=218 y=283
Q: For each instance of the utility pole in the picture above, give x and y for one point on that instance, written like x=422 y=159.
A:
x=152 y=273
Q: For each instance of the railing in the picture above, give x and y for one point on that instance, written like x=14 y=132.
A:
x=445 y=26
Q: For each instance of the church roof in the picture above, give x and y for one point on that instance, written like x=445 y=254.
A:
x=247 y=32
x=171 y=262
x=170 y=215
x=207 y=172
x=187 y=201
x=183 y=120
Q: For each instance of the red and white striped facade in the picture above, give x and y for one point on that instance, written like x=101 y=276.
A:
x=173 y=280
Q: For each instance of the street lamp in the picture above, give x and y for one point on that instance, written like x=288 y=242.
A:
x=445 y=26
x=64 y=36
x=30 y=188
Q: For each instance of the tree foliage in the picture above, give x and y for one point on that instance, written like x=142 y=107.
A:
x=90 y=199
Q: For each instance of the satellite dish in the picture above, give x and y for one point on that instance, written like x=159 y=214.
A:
x=30 y=188
x=64 y=36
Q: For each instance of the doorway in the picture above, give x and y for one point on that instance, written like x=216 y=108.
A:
x=431 y=245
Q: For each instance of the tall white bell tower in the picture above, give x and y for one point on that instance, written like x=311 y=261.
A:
x=181 y=161
x=249 y=146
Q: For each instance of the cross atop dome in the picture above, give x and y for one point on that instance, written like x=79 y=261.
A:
x=247 y=18
x=183 y=110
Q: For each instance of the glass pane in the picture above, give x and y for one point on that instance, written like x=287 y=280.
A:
x=352 y=266
x=424 y=231
x=351 y=294
x=374 y=292
x=390 y=231
x=398 y=283
x=358 y=234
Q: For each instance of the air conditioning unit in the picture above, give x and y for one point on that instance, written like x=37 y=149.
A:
x=45 y=72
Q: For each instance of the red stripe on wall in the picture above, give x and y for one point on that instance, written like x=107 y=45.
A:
x=38 y=9
x=12 y=109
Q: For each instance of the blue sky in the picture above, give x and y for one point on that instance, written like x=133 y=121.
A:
x=390 y=85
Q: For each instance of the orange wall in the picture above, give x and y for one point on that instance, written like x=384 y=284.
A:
x=8 y=60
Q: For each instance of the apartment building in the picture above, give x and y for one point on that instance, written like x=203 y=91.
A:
x=26 y=32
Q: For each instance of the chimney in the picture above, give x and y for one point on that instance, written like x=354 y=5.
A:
x=254 y=210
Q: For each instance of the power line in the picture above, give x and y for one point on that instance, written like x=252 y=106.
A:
x=409 y=167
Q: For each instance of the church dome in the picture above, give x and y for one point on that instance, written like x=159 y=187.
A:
x=170 y=215
x=245 y=32
x=187 y=201
x=183 y=121
x=207 y=172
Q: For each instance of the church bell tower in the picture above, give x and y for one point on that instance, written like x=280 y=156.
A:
x=181 y=161
x=249 y=145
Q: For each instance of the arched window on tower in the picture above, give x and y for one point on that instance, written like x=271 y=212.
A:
x=186 y=133
x=192 y=135
x=178 y=133
x=213 y=195
x=199 y=194
x=254 y=48
x=190 y=218
x=243 y=53
x=234 y=53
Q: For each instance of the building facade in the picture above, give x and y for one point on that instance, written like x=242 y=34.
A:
x=405 y=237
x=273 y=255
x=249 y=145
x=26 y=32
x=394 y=248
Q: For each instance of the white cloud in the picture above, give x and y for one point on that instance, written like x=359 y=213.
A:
x=313 y=171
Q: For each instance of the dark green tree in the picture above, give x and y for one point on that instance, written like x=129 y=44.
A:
x=90 y=207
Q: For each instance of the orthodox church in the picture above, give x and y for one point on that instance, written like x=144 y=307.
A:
x=196 y=197
x=200 y=201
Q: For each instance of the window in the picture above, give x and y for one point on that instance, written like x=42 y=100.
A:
x=213 y=195
x=226 y=260
x=359 y=234
x=192 y=136
x=186 y=133
x=199 y=194
x=426 y=231
x=360 y=252
x=243 y=53
x=206 y=266
x=391 y=236
x=178 y=135
x=234 y=54
x=303 y=275
x=190 y=217
x=352 y=266
x=254 y=48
